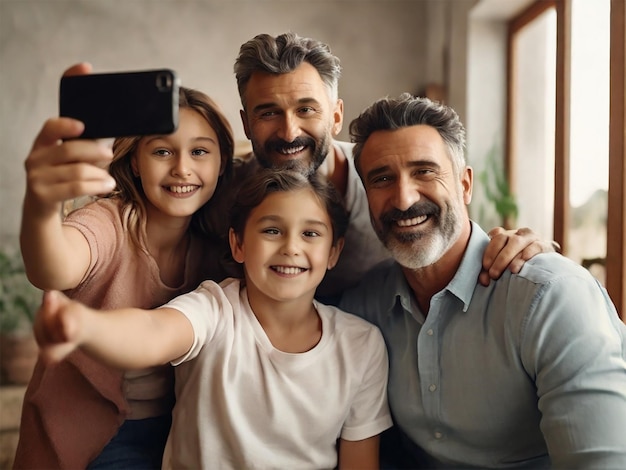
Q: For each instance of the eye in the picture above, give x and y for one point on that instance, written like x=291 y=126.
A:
x=271 y=231
x=311 y=234
x=425 y=173
x=199 y=152
x=380 y=181
x=306 y=110
x=268 y=114
x=161 y=152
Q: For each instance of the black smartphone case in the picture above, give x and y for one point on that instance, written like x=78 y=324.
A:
x=122 y=104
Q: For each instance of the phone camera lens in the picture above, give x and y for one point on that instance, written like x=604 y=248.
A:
x=164 y=82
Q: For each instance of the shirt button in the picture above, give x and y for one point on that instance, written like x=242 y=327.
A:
x=429 y=332
x=432 y=387
x=438 y=435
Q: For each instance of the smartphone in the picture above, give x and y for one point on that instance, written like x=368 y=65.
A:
x=122 y=104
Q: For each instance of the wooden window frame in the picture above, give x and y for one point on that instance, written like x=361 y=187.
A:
x=616 y=220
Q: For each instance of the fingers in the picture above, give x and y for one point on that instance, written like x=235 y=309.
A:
x=484 y=278
x=57 y=170
x=509 y=249
x=496 y=231
x=56 y=129
x=49 y=150
x=49 y=328
x=71 y=181
x=56 y=326
x=82 y=68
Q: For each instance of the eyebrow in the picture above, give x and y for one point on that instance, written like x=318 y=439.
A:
x=202 y=138
x=264 y=106
x=411 y=164
x=277 y=218
x=165 y=137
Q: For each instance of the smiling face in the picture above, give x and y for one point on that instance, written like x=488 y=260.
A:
x=179 y=171
x=290 y=118
x=287 y=246
x=416 y=196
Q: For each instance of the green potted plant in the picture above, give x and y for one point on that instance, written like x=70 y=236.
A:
x=19 y=301
x=497 y=189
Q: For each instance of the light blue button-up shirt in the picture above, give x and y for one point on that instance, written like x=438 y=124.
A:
x=527 y=372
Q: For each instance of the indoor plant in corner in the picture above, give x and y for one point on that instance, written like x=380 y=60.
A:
x=19 y=301
x=497 y=188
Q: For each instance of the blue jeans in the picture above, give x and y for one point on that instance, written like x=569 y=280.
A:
x=138 y=444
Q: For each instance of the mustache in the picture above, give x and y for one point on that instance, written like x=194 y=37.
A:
x=280 y=145
x=418 y=209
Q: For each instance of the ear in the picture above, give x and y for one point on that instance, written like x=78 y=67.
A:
x=338 y=117
x=244 y=121
x=467 y=183
x=335 y=251
x=133 y=165
x=222 y=164
x=236 y=248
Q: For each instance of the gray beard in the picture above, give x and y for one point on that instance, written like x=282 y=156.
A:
x=415 y=251
x=305 y=167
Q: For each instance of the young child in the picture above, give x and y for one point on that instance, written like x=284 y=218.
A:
x=141 y=246
x=266 y=376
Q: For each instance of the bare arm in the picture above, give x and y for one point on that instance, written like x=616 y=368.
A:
x=359 y=455
x=57 y=257
x=511 y=249
x=129 y=338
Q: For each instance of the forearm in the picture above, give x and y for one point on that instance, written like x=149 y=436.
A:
x=361 y=455
x=54 y=257
x=135 y=338
x=125 y=338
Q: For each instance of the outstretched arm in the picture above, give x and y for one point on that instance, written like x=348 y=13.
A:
x=359 y=455
x=57 y=256
x=511 y=249
x=129 y=338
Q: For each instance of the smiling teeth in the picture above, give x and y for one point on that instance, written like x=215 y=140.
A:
x=182 y=189
x=288 y=269
x=413 y=221
x=291 y=151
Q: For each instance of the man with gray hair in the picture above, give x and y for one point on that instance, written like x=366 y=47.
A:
x=527 y=372
x=292 y=113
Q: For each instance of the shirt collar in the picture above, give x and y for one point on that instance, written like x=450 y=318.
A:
x=464 y=281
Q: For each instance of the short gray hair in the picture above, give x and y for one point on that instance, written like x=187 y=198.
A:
x=406 y=111
x=283 y=54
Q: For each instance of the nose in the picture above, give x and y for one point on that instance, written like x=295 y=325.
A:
x=290 y=127
x=405 y=194
x=291 y=244
x=182 y=166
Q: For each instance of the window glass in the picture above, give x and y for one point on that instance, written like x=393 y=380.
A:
x=533 y=114
x=589 y=136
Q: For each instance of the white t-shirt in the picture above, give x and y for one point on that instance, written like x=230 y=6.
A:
x=241 y=403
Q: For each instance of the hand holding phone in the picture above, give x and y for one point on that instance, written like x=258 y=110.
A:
x=122 y=104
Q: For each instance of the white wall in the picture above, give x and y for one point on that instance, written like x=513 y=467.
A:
x=382 y=45
x=486 y=106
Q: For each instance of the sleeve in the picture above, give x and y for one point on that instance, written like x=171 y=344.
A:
x=102 y=229
x=573 y=347
x=369 y=413
x=204 y=307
